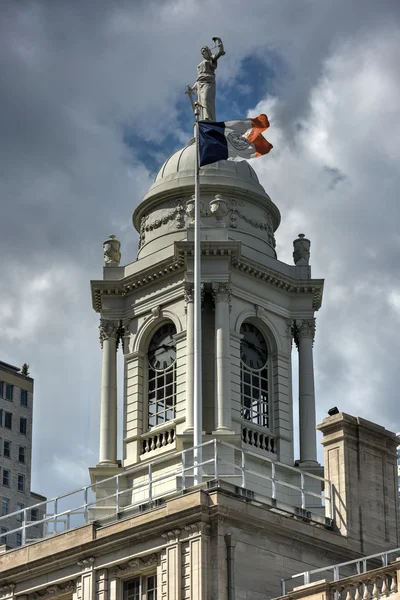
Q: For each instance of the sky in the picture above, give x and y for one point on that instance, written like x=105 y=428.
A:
x=91 y=104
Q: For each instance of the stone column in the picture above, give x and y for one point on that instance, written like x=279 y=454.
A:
x=189 y=297
x=304 y=332
x=222 y=296
x=109 y=333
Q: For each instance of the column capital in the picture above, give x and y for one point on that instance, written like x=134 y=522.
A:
x=222 y=292
x=188 y=290
x=304 y=328
x=110 y=329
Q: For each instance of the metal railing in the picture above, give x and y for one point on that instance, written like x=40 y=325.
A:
x=343 y=570
x=141 y=487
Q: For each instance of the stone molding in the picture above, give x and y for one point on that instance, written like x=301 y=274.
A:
x=7 y=590
x=86 y=563
x=198 y=528
x=171 y=537
x=54 y=590
x=222 y=292
x=135 y=565
x=303 y=329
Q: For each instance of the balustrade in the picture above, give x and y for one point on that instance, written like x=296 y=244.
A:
x=156 y=440
x=257 y=439
x=367 y=587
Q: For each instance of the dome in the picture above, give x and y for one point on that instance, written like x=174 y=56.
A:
x=178 y=171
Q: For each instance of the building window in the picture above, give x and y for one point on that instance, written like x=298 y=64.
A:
x=254 y=376
x=7 y=449
x=1 y=417
x=19 y=538
x=141 y=588
x=22 y=425
x=34 y=514
x=21 y=454
x=3 y=538
x=162 y=376
x=8 y=420
x=1 y=389
x=24 y=398
x=5 y=506
x=9 y=392
x=21 y=483
x=20 y=515
x=6 y=477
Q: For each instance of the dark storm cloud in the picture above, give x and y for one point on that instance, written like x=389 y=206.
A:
x=76 y=76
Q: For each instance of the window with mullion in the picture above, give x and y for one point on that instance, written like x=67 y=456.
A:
x=141 y=588
x=161 y=395
x=254 y=393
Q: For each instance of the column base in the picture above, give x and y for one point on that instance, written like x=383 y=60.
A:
x=223 y=431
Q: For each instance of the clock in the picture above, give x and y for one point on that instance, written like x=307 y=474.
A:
x=253 y=347
x=162 y=348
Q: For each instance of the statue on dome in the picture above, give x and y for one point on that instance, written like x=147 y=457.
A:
x=205 y=83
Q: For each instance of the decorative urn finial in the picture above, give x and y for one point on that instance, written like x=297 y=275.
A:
x=112 y=254
x=301 y=254
x=219 y=208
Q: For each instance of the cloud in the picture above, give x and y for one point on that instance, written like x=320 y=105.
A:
x=75 y=78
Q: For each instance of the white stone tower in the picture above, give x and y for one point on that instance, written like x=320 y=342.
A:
x=252 y=307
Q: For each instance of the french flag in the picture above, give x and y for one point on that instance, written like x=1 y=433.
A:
x=232 y=139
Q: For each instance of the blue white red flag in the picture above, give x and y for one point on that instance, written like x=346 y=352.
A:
x=232 y=139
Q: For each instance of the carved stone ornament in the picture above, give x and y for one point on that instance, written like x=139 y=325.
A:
x=7 y=590
x=188 y=291
x=265 y=225
x=53 y=591
x=221 y=292
x=112 y=254
x=198 y=528
x=303 y=329
x=171 y=536
x=301 y=254
x=110 y=329
x=177 y=213
x=219 y=208
x=86 y=563
x=135 y=565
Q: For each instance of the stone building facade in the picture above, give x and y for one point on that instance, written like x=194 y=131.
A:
x=16 y=410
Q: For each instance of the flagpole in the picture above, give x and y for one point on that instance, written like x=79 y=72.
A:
x=197 y=382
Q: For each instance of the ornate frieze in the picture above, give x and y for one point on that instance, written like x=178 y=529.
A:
x=53 y=591
x=222 y=292
x=262 y=225
x=135 y=565
x=177 y=213
x=303 y=329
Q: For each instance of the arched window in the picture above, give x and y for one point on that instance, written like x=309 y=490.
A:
x=254 y=376
x=161 y=376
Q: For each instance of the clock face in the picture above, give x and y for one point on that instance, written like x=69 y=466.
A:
x=162 y=348
x=253 y=347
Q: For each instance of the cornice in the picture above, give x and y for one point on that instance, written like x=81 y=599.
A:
x=283 y=282
x=212 y=249
x=122 y=287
